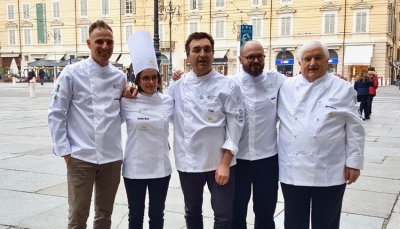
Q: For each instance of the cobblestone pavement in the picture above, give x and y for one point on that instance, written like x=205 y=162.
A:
x=33 y=189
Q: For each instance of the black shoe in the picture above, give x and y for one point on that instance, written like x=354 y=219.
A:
x=367 y=117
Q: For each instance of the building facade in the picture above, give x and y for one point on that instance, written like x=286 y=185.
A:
x=358 y=33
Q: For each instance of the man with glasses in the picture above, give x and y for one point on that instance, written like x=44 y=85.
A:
x=257 y=159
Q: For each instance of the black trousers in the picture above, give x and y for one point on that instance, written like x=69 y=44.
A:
x=326 y=203
x=263 y=175
x=136 y=193
x=221 y=198
x=370 y=98
x=364 y=105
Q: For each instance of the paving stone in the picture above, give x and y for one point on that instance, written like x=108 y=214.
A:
x=394 y=222
x=368 y=203
x=396 y=208
x=7 y=155
x=54 y=167
x=56 y=190
x=28 y=181
x=17 y=206
x=393 y=160
x=353 y=221
x=25 y=162
x=375 y=184
x=381 y=170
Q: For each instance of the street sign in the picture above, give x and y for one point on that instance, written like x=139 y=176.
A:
x=246 y=33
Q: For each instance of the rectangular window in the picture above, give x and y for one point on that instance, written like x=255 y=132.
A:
x=56 y=9
x=220 y=3
x=161 y=31
x=27 y=36
x=129 y=6
x=57 y=35
x=128 y=31
x=25 y=11
x=286 y=1
x=258 y=2
x=390 y=22
x=84 y=34
x=361 y=22
x=195 y=4
x=219 y=29
x=193 y=26
x=12 y=37
x=84 y=8
x=329 y=23
x=257 y=25
x=285 y=26
x=105 y=8
x=10 y=13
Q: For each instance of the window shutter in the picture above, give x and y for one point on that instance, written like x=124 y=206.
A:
x=26 y=11
x=10 y=12
x=364 y=22
x=191 y=4
x=84 y=8
x=133 y=6
x=161 y=32
x=255 y=2
x=264 y=2
x=199 y=4
x=358 y=22
x=123 y=6
x=288 y=25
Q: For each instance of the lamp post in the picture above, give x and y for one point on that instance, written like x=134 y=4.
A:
x=156 y=38
x=170 y=9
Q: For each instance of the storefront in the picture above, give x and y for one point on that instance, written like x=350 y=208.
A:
x=333 y=61
x=284 y=63
x=357 y=58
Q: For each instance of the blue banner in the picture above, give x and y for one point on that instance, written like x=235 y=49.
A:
x=284 y=62
x=333 y=61
x=246 y=33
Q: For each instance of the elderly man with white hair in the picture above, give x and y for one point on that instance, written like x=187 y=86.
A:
x=321 y=141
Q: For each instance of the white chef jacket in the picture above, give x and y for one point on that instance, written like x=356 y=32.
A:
x=320 y=131
x=84 y=112
x=208 y=117
x=258 y=140
x=146 y=151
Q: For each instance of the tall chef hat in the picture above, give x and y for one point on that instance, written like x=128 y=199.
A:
x=142 y=51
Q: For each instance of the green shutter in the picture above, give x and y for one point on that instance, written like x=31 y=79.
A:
x=41 y=23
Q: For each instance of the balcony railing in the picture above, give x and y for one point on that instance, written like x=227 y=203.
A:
x=165 y=44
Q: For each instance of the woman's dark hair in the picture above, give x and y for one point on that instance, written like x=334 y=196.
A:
x=137 y=81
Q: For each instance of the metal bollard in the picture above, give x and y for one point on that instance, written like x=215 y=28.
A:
x=32 y=88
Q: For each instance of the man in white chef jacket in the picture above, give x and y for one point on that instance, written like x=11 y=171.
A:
x=85 y=125
x=257 y=160
x=321 y=141
x=208 y=122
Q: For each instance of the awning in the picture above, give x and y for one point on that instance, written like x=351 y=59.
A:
x=37 y=56
x=55 y=56
x=164 y=60
x=114 y=57
x=10 y=55
x=125 y=60
x=358 y=54
x=218 y=54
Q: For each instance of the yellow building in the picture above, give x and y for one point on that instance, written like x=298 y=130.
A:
x=358 y=33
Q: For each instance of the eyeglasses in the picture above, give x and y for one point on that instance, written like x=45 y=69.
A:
x=147 y=79
x=252 y=58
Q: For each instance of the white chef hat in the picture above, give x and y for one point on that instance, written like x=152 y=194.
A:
x=142 y=51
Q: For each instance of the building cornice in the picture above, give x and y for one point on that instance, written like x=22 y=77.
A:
x=330 y=7
x=361 y=5
x=193 y=16
x=286 y=10
x=84 y=22
x=56 y=23
x=256 y=12
x=11 y=25
x=129 y=20
x=26 y=24
x=219 y=14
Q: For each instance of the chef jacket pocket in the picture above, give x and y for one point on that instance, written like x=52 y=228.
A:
x=212 y=112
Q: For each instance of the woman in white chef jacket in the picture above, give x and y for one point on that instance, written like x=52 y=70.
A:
x=146 y=163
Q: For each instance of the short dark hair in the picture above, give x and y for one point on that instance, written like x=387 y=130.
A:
x=198 y=36
x=371 y=68
x=99 y=24
x=160 y=83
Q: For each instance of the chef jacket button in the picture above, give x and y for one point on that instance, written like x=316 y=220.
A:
x=295 y=136
x=295 y=118
x=317 y=119
x=311 y=154
x=295 y=153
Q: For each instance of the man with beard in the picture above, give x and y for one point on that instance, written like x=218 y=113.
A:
x=257 y=159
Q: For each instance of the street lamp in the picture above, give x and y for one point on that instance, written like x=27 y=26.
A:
x=170 y=9
x=156 y=38
x=283 y=60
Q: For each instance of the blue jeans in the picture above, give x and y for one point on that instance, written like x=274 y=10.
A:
x=221 y=198
x=136 y=193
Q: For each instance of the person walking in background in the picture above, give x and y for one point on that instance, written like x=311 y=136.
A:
x=42 y=74
x=321 y=142
x=146 y=162
x=362 y=84
x=372 y=88
x=85 y=125
x=31 y=75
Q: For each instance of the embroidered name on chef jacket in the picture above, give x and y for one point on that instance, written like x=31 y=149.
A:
x=143 y=118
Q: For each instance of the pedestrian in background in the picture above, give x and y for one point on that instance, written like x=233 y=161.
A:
x=31 y=75
x=372 y=88
x=146 y=164
x=321 y=141
x=42 y=74
x=361 y=85
x=85 y=125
